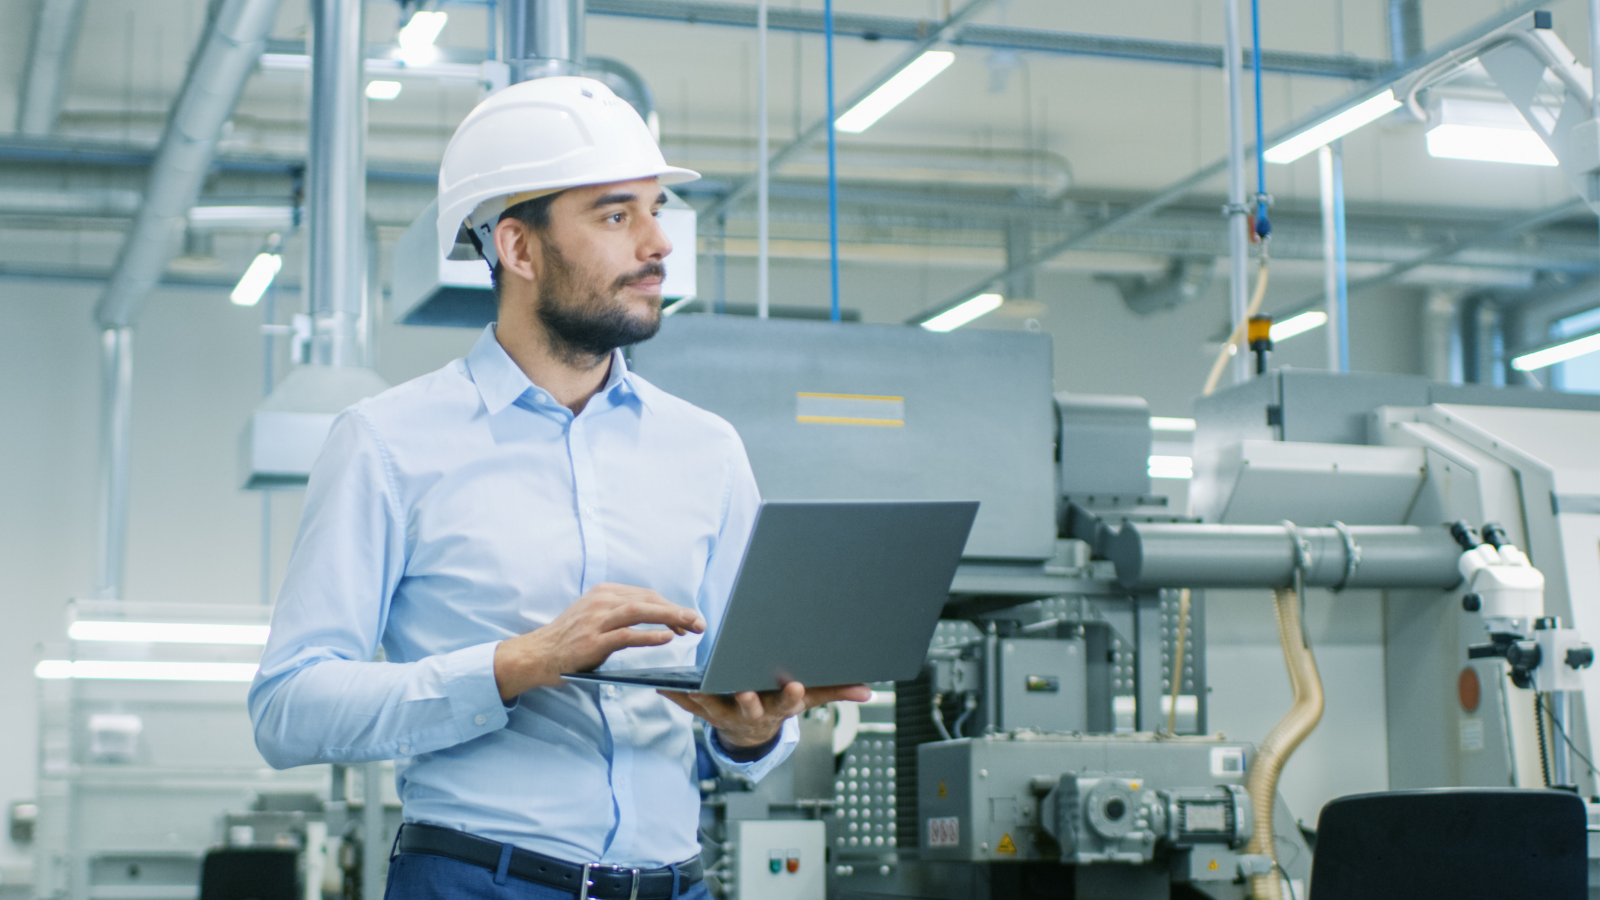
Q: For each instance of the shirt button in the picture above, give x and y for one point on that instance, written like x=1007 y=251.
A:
x=481 y=719
x=405 y=748
x=610 y=690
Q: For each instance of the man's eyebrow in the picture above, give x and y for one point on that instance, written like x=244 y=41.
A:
x=613 y=198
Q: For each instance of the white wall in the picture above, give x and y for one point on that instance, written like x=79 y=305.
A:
x=194 y=536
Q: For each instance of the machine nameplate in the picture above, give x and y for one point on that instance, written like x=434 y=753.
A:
x=1227 y=761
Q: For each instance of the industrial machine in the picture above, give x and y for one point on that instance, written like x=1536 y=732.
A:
x=1045 y=743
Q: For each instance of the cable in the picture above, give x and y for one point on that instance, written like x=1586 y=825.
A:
x=1263 y=226
x=1286 y=880
x=1237 y=338
x=1538 y=724
x=972 y=704
x=1570 y=746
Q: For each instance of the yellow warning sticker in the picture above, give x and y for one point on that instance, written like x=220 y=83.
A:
x=849 y=409
x=942 y=792
x=1213 y=867
x=1005 y=845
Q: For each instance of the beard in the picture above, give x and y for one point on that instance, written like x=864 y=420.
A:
x=585 y=322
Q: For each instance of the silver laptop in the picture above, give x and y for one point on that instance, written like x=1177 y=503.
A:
x=827 y=594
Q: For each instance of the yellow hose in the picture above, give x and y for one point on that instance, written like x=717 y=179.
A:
x=1237 y=338
x=1280 y=743
x=1177 y=660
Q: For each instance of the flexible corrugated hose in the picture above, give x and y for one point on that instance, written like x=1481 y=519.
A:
x=1280 y=743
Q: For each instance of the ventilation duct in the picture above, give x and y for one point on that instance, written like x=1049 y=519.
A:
x=1186 y=278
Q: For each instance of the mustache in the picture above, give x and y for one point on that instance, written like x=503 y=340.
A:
x=648 y=270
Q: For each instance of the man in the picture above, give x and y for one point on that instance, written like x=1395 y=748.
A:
x=532 y=509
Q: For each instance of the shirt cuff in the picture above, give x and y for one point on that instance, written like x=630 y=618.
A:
x=747 y=754
x=475 y=703
x=755 y=770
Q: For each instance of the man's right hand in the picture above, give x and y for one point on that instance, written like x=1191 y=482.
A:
x=586 y=633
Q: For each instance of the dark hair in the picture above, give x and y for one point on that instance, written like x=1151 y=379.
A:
x=533 y=213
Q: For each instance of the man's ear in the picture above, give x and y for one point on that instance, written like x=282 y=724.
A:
x=518 y=247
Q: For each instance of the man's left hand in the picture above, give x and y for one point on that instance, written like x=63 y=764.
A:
x=750 y=719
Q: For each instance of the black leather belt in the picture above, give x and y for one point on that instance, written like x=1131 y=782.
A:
x=589 y=881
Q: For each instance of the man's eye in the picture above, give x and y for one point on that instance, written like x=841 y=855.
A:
x=616 y=217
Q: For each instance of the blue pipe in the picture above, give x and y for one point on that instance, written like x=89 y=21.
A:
x=1343 y=292
x=1263 y=226
x=833 y=169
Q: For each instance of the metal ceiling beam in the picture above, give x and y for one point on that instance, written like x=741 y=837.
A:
x=55 y=35
x=1184 y=186
x=1037 y=40
x=935 y=32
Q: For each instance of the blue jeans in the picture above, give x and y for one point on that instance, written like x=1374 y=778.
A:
x=422 y=876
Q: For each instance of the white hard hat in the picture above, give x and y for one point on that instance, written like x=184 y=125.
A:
x=536 y=138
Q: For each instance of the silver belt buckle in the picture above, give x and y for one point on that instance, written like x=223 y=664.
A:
x=585 y=884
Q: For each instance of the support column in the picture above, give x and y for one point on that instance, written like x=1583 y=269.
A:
x=116 y=403
x=1019 y=249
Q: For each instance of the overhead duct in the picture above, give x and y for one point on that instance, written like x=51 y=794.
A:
x=542 y=38
x=232 y=43
x=55 y=34
x=287 y=430
x=1186 y=278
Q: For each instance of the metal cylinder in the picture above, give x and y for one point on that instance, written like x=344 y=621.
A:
x=337 y=190
x=1149 y=556
x=116 y=402
x=544 y=38
x=1238 y=214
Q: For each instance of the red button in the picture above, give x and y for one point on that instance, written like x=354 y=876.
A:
x=794 y=863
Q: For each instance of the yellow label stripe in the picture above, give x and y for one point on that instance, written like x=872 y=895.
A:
x=845 y=420
x=851 y=397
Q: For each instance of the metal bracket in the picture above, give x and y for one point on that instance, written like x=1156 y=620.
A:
x=1352 y=556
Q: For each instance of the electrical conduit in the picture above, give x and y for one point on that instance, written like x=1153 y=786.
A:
x=1274 y=752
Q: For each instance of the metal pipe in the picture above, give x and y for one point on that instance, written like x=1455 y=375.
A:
x=1340 y=320
x=374 y=846
x=1238 y=214
x=337 y=187
x=55 y=36
x=1151 y=556
x=228 y=54
x=544 y=38
x=1560 y=757
x=991 y=679
x=1330 y=268
x=763 y=175
x=1405 y=30
x=116 y=401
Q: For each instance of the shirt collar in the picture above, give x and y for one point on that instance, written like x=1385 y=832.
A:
x=501 y=381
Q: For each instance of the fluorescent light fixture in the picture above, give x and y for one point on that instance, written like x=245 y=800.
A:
x=255 y=280
x=1165 y=423
x=1485 y=131
x=131 y=670
x=894 y=91
x=416 y=39
x=1549 y=356
x=167 y=632
x=1171 y=467
x=1288 y=328
x=1329 y=130
x=957 y=316
x=383 y=90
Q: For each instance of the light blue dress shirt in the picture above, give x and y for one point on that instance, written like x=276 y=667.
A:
x=466 y=507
